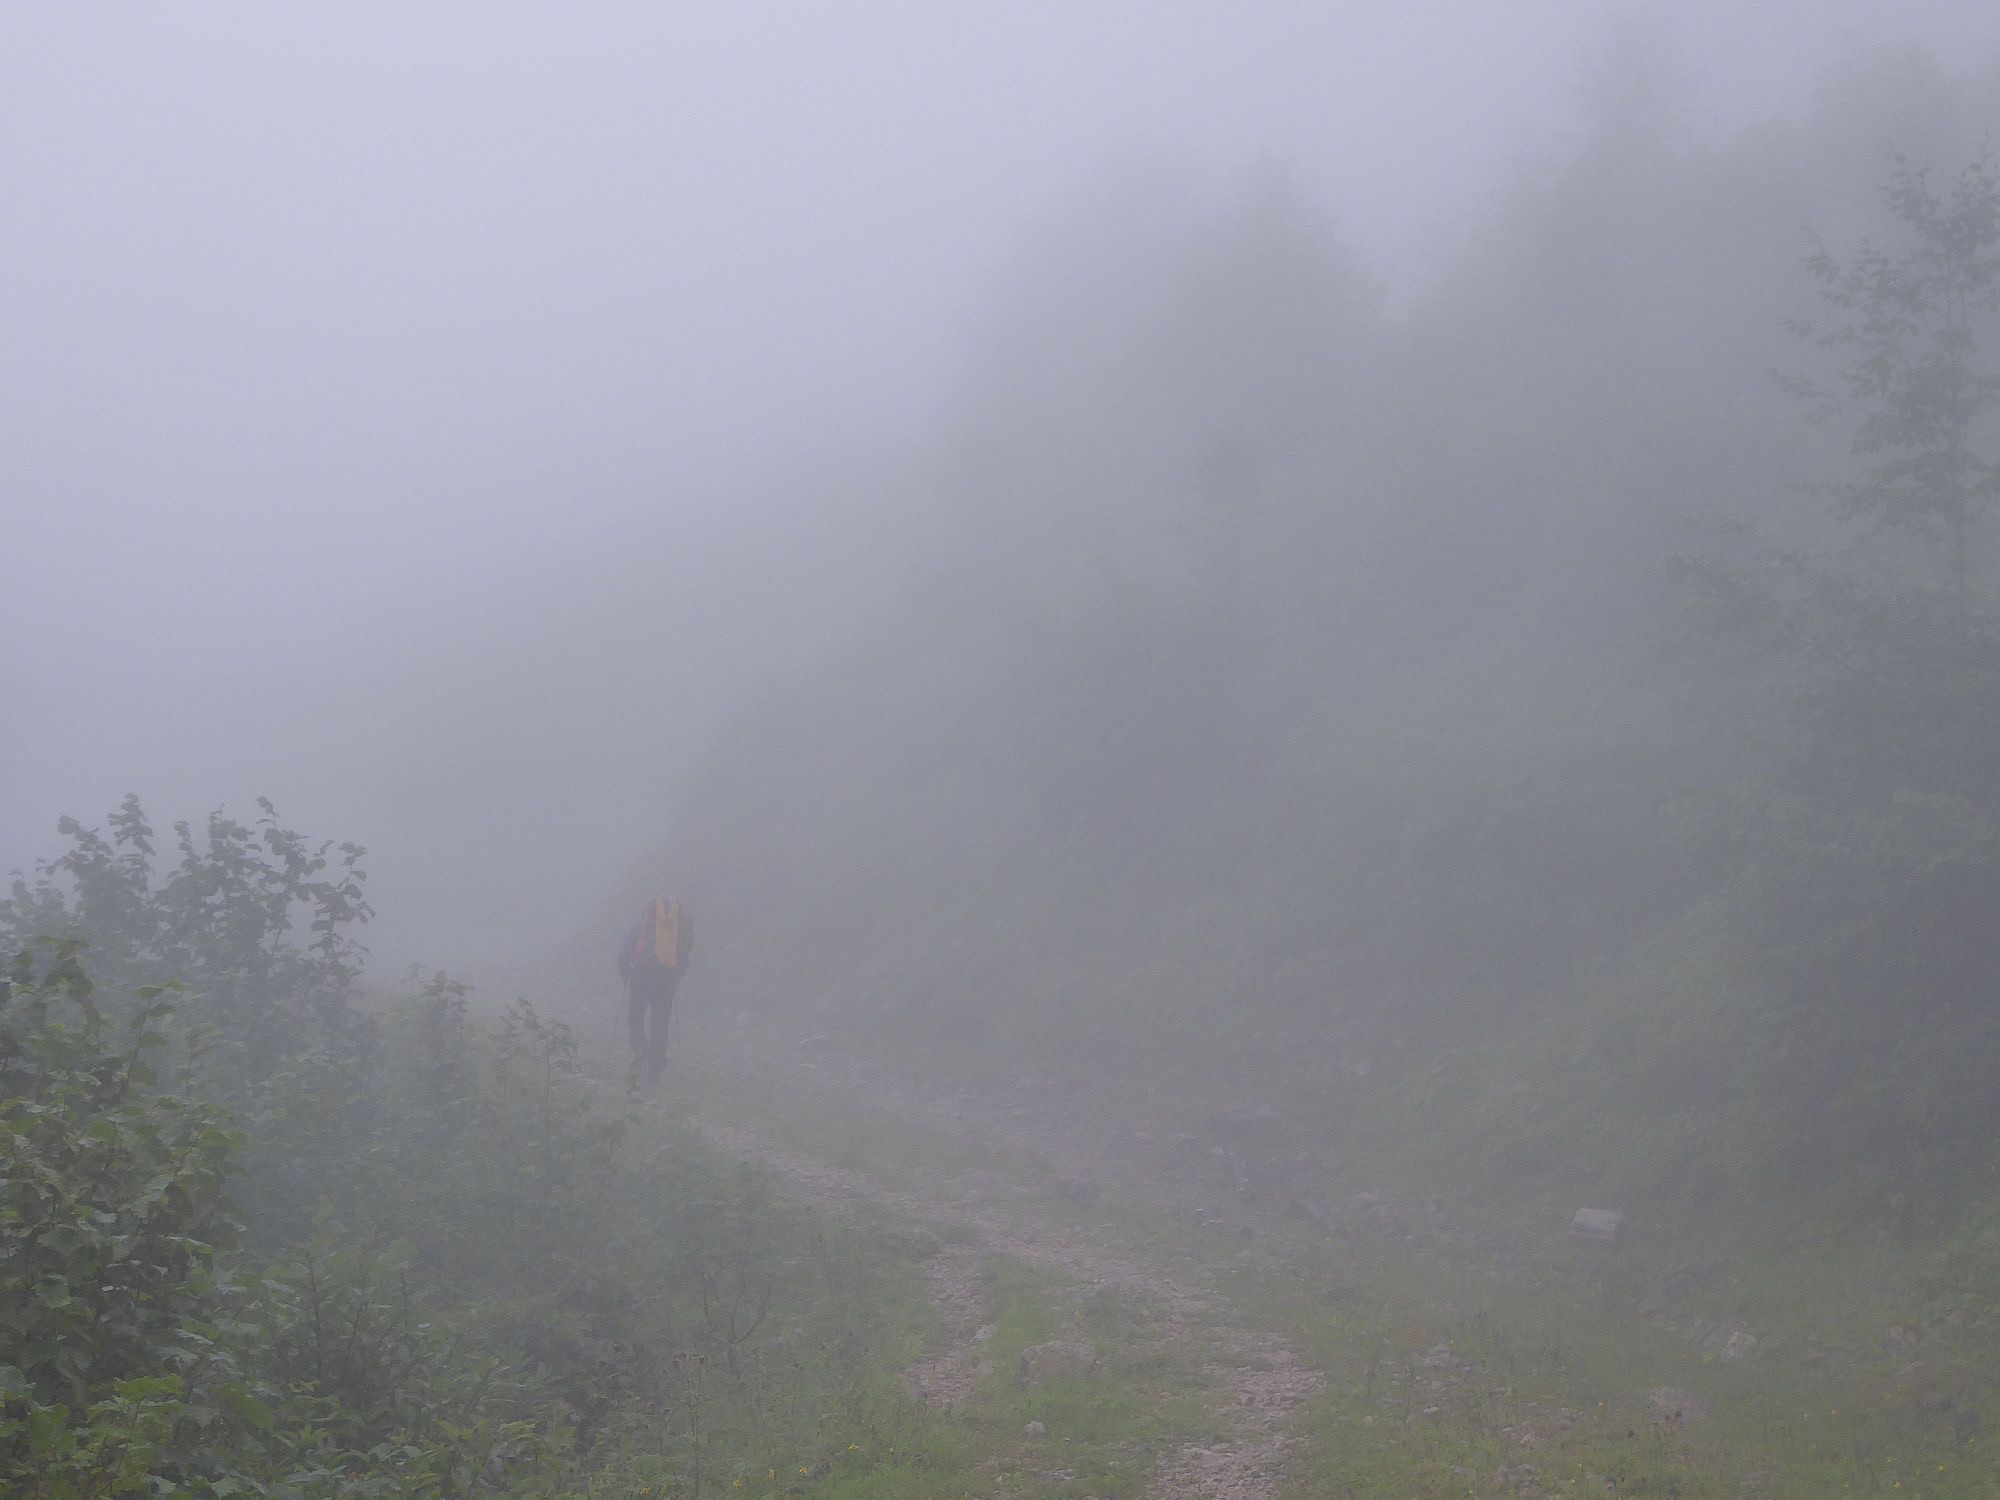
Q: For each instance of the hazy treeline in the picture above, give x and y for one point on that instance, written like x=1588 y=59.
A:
x=1291 y=683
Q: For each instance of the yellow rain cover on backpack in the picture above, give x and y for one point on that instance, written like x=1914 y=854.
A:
x=664 y=941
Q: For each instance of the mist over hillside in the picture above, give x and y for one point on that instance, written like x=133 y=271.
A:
x=1293 y=690
x=1000 y=752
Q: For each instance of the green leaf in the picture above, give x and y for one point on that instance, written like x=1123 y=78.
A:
x=149 y=1387
x=248 y=1407
x=45 y=1427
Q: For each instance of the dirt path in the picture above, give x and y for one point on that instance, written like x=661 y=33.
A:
x=1258 y=1380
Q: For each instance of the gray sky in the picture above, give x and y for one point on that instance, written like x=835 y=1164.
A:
x=332 y=333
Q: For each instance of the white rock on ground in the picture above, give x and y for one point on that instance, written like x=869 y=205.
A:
x=1596 y=1224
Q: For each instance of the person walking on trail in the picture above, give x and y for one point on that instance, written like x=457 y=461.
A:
x=652 y=960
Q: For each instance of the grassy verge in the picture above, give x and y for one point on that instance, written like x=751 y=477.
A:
x=1148 y=1390
x=765 y=1360
x=1078 y=1434
x=1443 y=1380
x=1457 y=1368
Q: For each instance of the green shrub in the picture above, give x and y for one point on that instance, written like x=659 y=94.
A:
x=116 y=1270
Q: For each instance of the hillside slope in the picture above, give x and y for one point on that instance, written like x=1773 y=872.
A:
x=1303 y=705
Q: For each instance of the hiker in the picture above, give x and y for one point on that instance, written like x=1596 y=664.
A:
x=652 y=959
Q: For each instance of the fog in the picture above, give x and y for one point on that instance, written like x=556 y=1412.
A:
x=1324 y=681
x=386 y=390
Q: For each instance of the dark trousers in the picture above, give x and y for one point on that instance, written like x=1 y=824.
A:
x=652 y=1006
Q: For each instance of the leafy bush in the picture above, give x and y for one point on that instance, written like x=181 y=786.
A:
x=226 y=922
x=116 y=1271
x=444 y=1277
x=146 y=1353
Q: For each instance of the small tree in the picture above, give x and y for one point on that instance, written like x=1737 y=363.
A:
x=1920 y=396
x=1871 y=863
x=255 y=920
